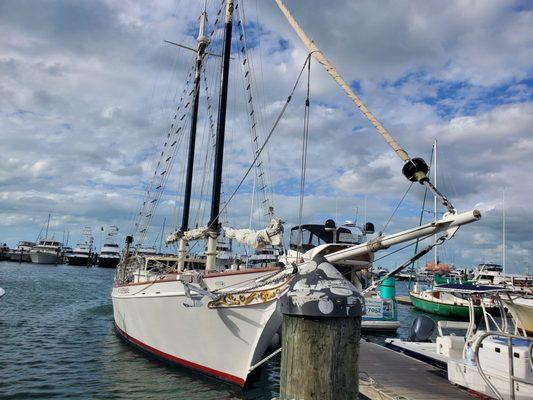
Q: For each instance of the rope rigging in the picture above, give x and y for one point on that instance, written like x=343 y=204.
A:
x=303 y=166
x=170 y=146
x=248 y=77
x=165 y=161
x=262 y=147
x=414 y=169
x=270 y=133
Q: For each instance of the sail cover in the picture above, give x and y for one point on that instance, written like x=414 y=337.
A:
x=193 y=234
x=272 y=235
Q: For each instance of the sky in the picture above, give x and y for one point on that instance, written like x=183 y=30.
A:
x=89 y=90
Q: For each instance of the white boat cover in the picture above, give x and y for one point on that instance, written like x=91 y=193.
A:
x=193 y=234
x=271 y=235
x=257 y=239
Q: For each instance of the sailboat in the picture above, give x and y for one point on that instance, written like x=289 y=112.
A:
x=217 y=320
x=433 y=300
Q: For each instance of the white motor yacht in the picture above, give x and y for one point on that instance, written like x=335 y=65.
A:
x=21 y=252
x=83 y=253
x=110 y=253
x=47 y=252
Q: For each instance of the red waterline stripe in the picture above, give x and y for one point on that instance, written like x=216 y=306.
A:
x=206 y=370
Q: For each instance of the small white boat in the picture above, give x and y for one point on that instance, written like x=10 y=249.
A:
x=2 y=292
x=479 y=360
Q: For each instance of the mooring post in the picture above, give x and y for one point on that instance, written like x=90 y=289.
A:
x=320 y=337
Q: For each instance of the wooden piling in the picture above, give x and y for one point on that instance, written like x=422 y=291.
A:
x=321 y=332
x=319 y=358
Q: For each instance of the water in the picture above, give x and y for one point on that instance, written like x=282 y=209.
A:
x=57 y=341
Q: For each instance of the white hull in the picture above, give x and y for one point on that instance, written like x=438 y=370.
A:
x=522 y=310
x=222 y=342
x=42 y=257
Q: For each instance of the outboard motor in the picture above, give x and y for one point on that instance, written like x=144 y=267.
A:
x=421 y=329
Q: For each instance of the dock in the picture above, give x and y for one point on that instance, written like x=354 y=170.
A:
x=403 y=300
x=386 y=374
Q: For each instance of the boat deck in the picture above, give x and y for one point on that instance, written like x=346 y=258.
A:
x=403 y=300
x=386 y=374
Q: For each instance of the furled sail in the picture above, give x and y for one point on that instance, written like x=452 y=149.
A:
x=193 y=234
x=271 y=235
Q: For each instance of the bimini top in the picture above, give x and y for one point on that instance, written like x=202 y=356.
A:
x=469 y=288
x=316 y=234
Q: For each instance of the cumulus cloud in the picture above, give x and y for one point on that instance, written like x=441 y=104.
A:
x=88 y=92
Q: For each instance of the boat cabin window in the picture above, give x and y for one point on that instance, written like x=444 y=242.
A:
x=315 y=235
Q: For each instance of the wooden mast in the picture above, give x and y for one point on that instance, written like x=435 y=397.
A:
x=203 y=41
x=219 y=146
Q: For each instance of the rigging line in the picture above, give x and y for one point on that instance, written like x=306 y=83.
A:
x=139 y=216
x=282 y=112
x=304 y=159
x=254 y=138
x=397 y=206
x=254 y=115
x=414 y=169
x=280 y=115
x=163 y=179
x=421 y=218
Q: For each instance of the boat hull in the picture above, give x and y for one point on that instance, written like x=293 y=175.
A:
x=42 y=257
x=78 y=261
x=222 y=342
x=443 y=309
x=522 y=310
x=20 y=256
x=108 y=262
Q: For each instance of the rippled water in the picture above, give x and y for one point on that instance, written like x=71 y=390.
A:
x=57 y=341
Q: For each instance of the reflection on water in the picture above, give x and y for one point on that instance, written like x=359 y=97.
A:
x=57 y=340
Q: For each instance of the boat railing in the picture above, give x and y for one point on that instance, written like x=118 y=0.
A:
x=512 y=377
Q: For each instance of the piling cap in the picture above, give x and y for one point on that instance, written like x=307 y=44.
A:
x=320 y=290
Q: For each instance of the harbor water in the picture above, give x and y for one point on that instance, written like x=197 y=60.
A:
x=57 y=341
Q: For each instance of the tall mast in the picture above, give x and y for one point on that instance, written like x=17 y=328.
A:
x=47 y=226
x=503 y=229
x=200 y=52
x=202 y=41
x=162 y=234
x=221 y=130
x=436 y=258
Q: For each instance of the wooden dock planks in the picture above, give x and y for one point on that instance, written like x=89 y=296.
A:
x=387 y=374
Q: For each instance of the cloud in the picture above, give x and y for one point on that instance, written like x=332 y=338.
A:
x=89 y=91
